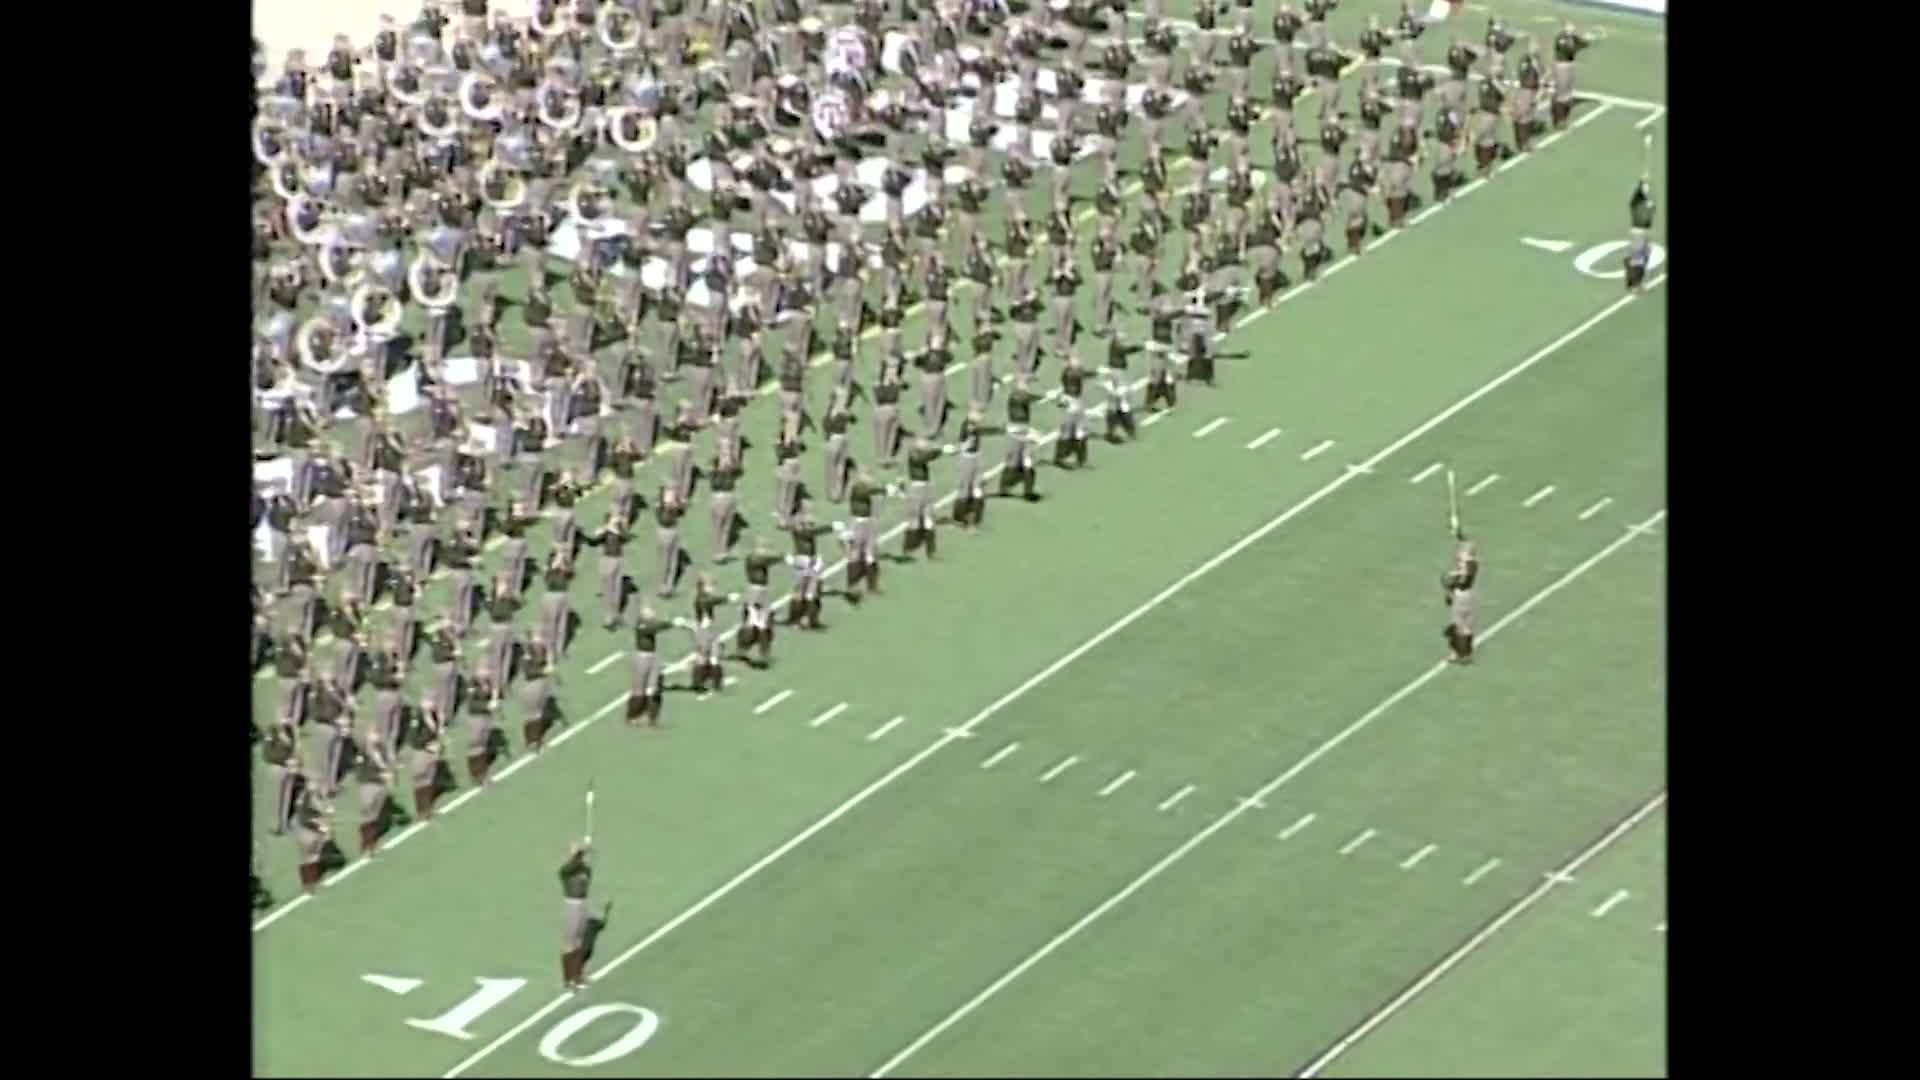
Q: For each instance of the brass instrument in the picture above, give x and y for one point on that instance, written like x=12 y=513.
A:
x=376 y=312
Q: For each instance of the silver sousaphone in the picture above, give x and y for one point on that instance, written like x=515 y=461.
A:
x=322 y=341
x=550 y=20
x=501 y=186
x=559 y=106
x=339 y=262
x=440 y=115
x=407 y=82
x=482 y=98
x=587 y=200
x=431 y=278
x=618 y=30
x=376 y=311
x=269 y=146
x=632 y=129
x=307 y=219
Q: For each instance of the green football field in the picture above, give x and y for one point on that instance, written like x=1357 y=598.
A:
x=1162 y=774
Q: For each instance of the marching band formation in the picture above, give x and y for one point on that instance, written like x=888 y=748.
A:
x=741 y=194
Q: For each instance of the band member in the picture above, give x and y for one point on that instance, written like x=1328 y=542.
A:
x=723 y=505
x=969 y=492
x=886 y=418
x=756 y=604
x=424 y=739
x=483 y=707
x=1119 y=407
x=1567 y=47
x=1639 y=247
x=667 y=512
x=839 y=460
x=540 y=709
x=804 y=607
x=612 y=539
x=863 y=553
x=375 y=773
x=311 y=831
x=920 y=516
x=280 y=749
x=1017 y=467
x=1458 y=584
x=1070 y=442
x=644 y=680
x=708 y=674
x=576 y=926
x=332 y=710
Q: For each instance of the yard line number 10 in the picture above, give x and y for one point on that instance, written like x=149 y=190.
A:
x=562 y=1044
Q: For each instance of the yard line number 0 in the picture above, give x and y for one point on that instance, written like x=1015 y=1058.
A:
x=1614 y=252
x=563 y=1043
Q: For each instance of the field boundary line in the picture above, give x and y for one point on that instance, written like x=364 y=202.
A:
x=1168 y=860
x=1451 y=960
x=954 y=734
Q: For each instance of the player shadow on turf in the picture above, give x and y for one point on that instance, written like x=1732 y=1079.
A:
x=332 y=859
x=591 y=935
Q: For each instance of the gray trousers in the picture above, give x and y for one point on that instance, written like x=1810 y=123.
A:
x=933 y=403
x=611 y=594
x=967 y=482
x=837 y=455
x=886 y=432
x=722 y=514
x=643 y=674
x=667 y=545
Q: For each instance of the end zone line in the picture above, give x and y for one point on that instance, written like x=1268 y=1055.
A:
x=1626 y=537
x=1452 y=959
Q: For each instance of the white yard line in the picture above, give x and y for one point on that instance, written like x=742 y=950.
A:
x=280 y=912
x=1316 y=451
x=1414 y=859
x=1388 y=239
x=1264 y=439
x=1048 y=776
x=1173 y=800
x=1424 y=473
x=1551 y=139
x=1210 y=427
x=1289 y=832
x=460 y=800
x=605 y=662
x=828 y=715
x=1492 y=479
x=1353 y=845
x=1156 y=417
x=1534 y=499
x=347 y=872
x=1117 y=783
x=1650 y=119
x=1627 y=536
x=1660 y=929
x=1596 y=508
x=404 y=835
x=1610 y=903
x=877 y=733
x=771 y=702
x=1485 y=869
x=513 y=768
x=1453 y=958
x=1000 y=755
